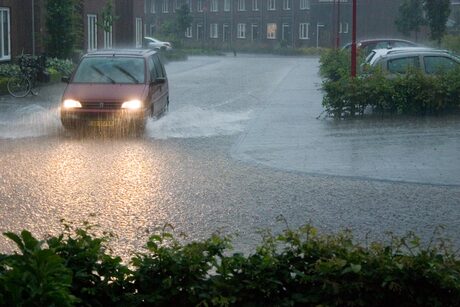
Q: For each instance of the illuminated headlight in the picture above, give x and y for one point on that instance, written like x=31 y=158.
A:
x=71 y=104
x=132 y=104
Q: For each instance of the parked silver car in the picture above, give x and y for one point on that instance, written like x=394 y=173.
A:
x=429 y=61
x=155 y=44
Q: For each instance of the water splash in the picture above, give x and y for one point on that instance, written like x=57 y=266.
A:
x=193 y=122
x=29 y=121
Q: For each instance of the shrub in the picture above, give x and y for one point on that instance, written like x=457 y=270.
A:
x=295 y=268
x=410 y=93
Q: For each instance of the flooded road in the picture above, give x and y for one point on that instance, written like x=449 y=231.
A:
x=222 y=160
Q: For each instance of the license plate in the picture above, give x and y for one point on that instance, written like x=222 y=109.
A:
x=101 y=123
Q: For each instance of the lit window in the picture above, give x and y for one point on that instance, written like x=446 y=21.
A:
x=271 y=30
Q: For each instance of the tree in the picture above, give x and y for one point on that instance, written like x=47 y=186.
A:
x=410 y=17
x=108 y=17
x=437 y=13
x=179 y=25
x=59 y=26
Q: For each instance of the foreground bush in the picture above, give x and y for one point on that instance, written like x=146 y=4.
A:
x=296 y=268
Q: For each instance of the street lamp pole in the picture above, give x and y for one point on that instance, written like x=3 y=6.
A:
x=353 y=42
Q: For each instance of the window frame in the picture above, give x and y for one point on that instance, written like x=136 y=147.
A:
x=91 y=32
x=4 y=57
x=241 y=31
x=304 y=29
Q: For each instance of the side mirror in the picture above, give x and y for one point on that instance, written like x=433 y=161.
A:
x=65 y=79
x=159 y=81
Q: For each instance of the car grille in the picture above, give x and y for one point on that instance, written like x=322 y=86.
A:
x=101 y=105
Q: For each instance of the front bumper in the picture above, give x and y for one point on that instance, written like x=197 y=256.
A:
x=84 y=118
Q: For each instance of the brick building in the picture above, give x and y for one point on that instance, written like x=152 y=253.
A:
x=271 y=23
x=23 y=26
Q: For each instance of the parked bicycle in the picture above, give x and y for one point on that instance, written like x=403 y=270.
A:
x=32 y=71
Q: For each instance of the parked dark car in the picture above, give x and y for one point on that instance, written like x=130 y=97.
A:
x=115 y=88
x=368 y=45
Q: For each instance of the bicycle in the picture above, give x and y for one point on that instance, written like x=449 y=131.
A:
x=31 y=70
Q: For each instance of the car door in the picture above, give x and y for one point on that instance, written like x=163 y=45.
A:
x=154 y=88
x=438 y=64
x=163 y=95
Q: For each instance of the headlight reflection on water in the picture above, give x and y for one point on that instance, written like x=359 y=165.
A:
x=120 y=181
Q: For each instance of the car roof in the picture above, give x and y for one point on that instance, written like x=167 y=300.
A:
x=122 y=52
x=377 y=53
x=433 y=52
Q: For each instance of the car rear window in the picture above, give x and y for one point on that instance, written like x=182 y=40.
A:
x=110 y=70
x=438 y=64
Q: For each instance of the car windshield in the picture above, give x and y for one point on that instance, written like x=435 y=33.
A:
x=110 y=70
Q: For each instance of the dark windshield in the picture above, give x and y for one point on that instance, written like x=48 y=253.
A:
x=110 y=70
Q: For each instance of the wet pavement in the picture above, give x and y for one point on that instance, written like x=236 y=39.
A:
x=240 y=146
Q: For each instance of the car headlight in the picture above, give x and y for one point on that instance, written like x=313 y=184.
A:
x=71 y=104
x=134 y=104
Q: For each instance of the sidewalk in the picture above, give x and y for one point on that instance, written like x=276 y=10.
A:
x=286 y=135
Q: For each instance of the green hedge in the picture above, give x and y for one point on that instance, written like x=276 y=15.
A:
x=296 y=268
x=410 y=93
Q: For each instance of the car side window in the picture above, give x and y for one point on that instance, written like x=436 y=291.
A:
x=401 y=65
x=437 y=64
x=159 y=66
x=152 y=69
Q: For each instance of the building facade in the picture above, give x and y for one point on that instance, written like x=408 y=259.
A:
x=273 y=23
x=23 y=26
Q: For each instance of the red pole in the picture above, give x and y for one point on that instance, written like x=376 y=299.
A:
x=353 y=42
x=337 y=42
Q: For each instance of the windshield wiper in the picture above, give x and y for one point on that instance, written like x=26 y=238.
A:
x=102 y=74
x=127 y=73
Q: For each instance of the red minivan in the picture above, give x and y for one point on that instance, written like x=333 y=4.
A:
x=115 y=88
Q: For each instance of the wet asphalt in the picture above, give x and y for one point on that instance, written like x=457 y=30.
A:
x=240 y=147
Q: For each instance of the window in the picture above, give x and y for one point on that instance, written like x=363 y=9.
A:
x=303 y=30
x=254 y=31
x=152 y=30
x=437 y=64
x=138 y=32
x=286 y=5
x=401 y=65
x=188 y=32
x=92 y=32
x=177 y=5
x=165 y=7
x=189 y=3
x=241 y=30
x=271 y=6
x=153 y=9
x=199 y=31
x=5 y=39
x=227 y=5
x=304 y=4
x=225 y=32
x=343 y=28
x=271 y=30
x=108 y=38
x=286 y=32
x=199 y=5
x=255 y=5
x=214 y=6
x=213 y=31
x=241 y=5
